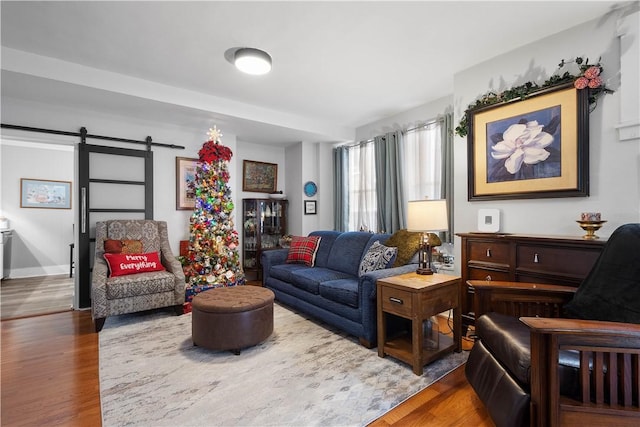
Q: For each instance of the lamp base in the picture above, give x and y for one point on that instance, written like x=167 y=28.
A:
x=425 y=271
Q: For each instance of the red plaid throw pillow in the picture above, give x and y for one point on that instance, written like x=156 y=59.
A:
x=303 y=250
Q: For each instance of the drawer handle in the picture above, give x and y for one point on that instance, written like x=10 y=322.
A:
x=488 y=253
x=488 y=278
x=535 y=258
x=396 y=300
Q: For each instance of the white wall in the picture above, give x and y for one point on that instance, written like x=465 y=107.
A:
x=614 y=165
x=41 y=237
x=310 y=161
x=44 y=116
x=406 y=119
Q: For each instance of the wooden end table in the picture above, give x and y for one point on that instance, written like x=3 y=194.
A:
x=418 y=297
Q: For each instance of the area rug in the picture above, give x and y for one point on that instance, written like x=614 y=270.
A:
x=305 y=374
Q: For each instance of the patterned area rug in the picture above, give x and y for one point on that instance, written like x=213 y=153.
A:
x=305 y=374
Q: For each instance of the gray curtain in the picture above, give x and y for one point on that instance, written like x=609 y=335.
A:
x=447 y=171
x=340 y=188
x=389 y=172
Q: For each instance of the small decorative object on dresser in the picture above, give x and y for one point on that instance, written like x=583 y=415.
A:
x=590 y=222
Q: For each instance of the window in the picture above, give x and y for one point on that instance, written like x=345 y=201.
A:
x=422 y=174
x=362 y=188
x=423 y=162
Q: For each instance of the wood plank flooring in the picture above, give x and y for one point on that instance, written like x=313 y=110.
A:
x=35 y=295
x=49 y=371
x=49 y=376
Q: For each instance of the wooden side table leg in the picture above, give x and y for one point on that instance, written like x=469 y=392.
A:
x=457 y=328
x=416 y=341
x=382 y=327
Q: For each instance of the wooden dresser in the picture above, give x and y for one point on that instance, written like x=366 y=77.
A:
x=560 y=260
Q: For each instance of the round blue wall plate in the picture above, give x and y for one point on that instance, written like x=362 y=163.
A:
x=310 y=188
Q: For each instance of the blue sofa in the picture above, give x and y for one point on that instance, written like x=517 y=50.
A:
x=331 y=290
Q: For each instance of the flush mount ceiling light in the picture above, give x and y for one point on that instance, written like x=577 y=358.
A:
x=252 y=61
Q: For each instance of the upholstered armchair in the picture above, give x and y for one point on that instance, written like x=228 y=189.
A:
x=120 y=294
x=551 y=355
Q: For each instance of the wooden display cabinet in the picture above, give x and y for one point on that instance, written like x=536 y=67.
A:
x=264 y=223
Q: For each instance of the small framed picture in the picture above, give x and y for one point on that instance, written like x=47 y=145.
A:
x=259 y=177
x=45 y=194
x=309 y=207
x=185 y=183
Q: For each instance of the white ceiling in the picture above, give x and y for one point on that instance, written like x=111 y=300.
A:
x=336 y=65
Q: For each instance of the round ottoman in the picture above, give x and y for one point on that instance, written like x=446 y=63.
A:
x=232 y=318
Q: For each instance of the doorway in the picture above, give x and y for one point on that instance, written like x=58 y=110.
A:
x=36 y=263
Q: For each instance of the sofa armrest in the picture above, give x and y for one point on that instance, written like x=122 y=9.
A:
x=99 y=275
x=272 y=257
x=520 y=298
x=603 y=347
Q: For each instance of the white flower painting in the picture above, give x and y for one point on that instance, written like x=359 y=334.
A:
x=524 y=147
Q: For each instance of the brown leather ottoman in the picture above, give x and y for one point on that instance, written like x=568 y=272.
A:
x=232 y=318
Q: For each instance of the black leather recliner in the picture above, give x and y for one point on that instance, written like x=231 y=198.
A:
x=582 y=368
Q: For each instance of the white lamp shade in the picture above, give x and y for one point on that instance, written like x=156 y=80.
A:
x=252 y=61
x=427 y=215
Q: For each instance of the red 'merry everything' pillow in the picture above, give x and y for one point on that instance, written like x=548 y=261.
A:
x=123 y=264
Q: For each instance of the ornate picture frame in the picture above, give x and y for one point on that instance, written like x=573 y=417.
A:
x=259 y=177
x=45 y=194
x=185 y=175
x=532 y=148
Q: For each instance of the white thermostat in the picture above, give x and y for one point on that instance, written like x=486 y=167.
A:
x=489 y=220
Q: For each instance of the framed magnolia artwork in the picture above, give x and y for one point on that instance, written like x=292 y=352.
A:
x=534 y=148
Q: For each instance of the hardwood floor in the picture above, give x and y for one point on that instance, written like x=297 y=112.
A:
x=50 y=377
x=31 y=296
x=50 y=371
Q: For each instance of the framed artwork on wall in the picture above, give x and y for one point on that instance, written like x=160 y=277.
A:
x=45 y=194
x=259 y=177
x=185 y=178
x=532 y=148
x=310 y=207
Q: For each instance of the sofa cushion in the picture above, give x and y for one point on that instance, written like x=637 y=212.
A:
x=327 y=237
x=309 y=279
x=124 y=246
x=343 y=291
x=347 y=251
x=303 y=250
x=378 y=256
x=125 y=264
x=509 y=341
x=283 y=271
x=140 y=284
x=407 y=243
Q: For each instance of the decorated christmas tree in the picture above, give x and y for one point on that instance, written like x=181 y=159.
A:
x=213 y=260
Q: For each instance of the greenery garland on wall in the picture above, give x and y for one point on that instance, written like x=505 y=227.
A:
x=589 y=79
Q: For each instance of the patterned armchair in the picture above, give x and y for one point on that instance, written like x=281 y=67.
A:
x=111 y=296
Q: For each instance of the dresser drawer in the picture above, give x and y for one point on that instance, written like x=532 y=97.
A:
x=490 y=252
x=397 y=301
x=556 y=261
x=488 y=274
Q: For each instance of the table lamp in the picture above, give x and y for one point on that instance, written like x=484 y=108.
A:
x=426 y=216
